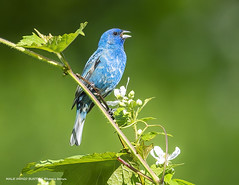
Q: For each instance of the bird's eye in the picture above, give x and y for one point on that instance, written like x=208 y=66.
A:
x=115 y=33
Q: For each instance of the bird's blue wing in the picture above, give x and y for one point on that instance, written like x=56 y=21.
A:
x=89 y=68
x=91 y=64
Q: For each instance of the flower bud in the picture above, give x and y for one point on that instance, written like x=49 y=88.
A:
x=139 y=131
x=122 y=104
x=131 y=94
x=139 y=102
x=132 y=103
x=130 y=100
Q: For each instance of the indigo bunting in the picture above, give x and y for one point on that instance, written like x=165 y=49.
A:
x=103 y=70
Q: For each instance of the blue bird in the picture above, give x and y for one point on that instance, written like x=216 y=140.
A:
x=103 y=70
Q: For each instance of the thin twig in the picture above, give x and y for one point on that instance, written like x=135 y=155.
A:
x=134 y=169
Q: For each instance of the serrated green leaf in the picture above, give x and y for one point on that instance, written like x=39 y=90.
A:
x=31 y=40
x=182 y=182
x=150 y=135
x=144 y=150
x=82 y=169
x=123 y=175
x=120 y=117
x=167 y=178
x=55 y=44
x=157 y=170
x=146 y=119
x=172 y=166
x=172 y=182
x=117 y=177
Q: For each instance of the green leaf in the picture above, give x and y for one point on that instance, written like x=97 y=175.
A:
x=144 y=150
x=150 y=135
x=167 y=178
x=146 y=119
x=120 y=117
x=172 y=182
x=55 y=44
x=82 y=169
x=157 y=170
x=172 y=166
x=123 y=175
x=145 y=102
x=182 y=182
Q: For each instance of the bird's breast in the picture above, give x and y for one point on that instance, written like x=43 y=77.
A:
x=110 y=70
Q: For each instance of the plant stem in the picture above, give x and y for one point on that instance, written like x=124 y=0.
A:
x=136 y=132
x=31 y=53
x=63 y=60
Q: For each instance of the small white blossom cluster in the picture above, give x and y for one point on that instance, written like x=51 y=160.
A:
x=122 y=99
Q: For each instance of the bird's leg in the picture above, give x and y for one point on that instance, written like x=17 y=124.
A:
x=111 y=113
x=86 y=81
x=92 y=86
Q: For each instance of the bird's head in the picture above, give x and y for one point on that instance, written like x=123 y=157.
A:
x=113 y=38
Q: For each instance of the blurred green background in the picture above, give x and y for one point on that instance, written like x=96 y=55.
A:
x=185 y=53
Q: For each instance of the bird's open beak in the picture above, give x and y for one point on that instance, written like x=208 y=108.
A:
x=123 y=36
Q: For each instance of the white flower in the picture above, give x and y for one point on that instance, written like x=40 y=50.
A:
x=139 y=131
x=139 y=102
x=159 y=155
x=120 y=92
